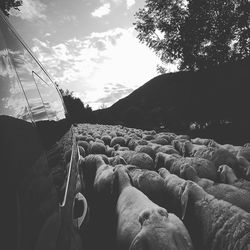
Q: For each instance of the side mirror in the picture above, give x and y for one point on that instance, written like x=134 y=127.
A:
x=79 y=211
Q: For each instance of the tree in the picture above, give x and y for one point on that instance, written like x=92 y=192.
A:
x=75 y=107
x=196 y=33
x=6 y=5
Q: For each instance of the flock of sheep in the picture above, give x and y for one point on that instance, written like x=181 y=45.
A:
x=155 y=191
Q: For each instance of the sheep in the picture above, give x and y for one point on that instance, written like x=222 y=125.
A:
x=219 y=156
x=85 y=145
x=244 y=152
x=106 y=139
x=141 y=160
x=187 y=172
x=201 y=141
x=204 y=168
x=172 y=188
x=86 y=138
x=190 y=148
x=113 y=161
x=141 y=223
x=117 y=140
x=148 y=137
x=120 y=148
x=99 y=140
x=132 y=144
x=149 y=182
x=145 y=149
x=165 y=160
x=231 y=148
x=81 y=151
x=228 y=176
x=149 y=132
x=88 y=167
x=179 y=145
x=113 y=134
x=237 y=196
x=160 y=141
x=109 y=151
x=244 y=167
x=102 y=207
x=97 y=148
x=213 y=224
x=183 y=137
x=167 y=149
x=164 y=136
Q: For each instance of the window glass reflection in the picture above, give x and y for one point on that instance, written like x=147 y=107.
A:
x=49 y=94
x=23 y=65
x=12 y=99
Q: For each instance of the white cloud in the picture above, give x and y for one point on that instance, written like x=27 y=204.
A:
x=114 y=1
x=102 y=11
x=89 y=65
x=30 y=9
x=130 y=3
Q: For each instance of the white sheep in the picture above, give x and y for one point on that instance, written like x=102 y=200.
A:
x=228 y=176
x=97 y=148
x=213 y=224
x=219 y=156
x=118 y=140
x=145 y=149
x=141 y=160
x=237 y=196
x=172 y=188
x=150 y=183
x=140 y=222
x=204 y=168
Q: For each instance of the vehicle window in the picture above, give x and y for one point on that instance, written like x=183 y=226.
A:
x=24 y=65
x=50 y=96
x=12 y=99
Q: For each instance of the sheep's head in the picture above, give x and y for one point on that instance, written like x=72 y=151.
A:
x=245 y=166
x=190 y=191
x=163 y=172
x=226 y=174
x=120 y=180
x=188 y=172
x=187 y=148
x=155 y=215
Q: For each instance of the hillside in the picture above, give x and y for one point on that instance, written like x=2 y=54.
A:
x=177 y=100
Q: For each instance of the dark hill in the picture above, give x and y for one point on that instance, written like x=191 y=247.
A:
x=207 y=98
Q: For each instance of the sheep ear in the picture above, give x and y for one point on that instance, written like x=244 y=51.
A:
x=123 y=161
x=138 y=243
x=114 y=184
x=248 y=173
x=144 y=215
x=222 y=176
x=184 y=195
x=183 y=149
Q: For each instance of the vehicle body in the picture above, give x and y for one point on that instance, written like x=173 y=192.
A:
x=32 y=119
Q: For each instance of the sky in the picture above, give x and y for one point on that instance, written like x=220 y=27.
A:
x=88 y=46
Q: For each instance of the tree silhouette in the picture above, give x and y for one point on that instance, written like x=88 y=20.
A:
x=6 y=5
x=75 y=107
x=196 y=33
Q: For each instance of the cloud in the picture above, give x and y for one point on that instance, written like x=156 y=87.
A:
x=101 y=11
x=101 y=67
x=113 y=92
x=130 y=3
x=117 y=2
x=30 y=9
